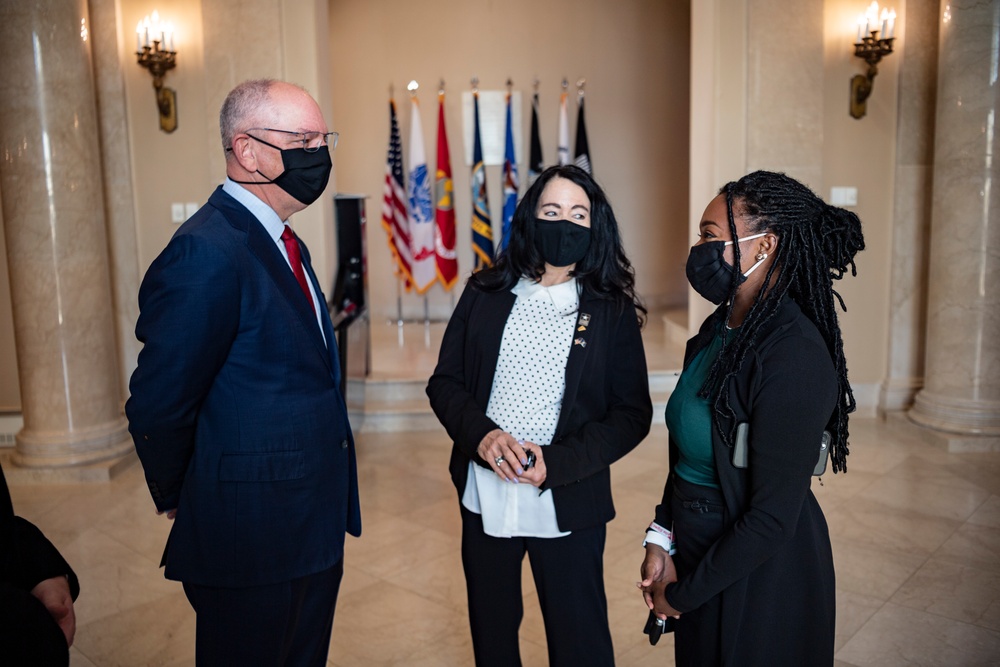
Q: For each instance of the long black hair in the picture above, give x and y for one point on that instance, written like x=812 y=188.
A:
x=604 y=272
x=816 y=245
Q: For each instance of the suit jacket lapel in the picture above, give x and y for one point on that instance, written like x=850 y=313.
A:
x=328 y=332
x=578 y=351
x=264 y=249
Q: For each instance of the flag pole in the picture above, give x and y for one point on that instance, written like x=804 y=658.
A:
x=399 y=302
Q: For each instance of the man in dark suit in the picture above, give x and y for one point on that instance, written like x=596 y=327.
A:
x=235 y=406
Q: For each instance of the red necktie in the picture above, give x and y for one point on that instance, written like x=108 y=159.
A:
x=295 y=259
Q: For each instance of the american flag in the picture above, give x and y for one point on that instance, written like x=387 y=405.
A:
x=393 y=204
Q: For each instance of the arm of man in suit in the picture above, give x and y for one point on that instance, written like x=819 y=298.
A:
x=189 y=314
x=601 y=442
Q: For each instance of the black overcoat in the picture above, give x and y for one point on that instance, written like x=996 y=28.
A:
x=773 y=566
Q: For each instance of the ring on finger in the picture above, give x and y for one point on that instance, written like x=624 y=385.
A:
x=499 y=460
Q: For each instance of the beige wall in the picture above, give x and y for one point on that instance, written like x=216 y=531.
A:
x=862 y=153
x=772 y=79
x=760 y=102
x=634 y=55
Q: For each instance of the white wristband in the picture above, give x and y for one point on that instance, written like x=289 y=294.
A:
x=660 y=536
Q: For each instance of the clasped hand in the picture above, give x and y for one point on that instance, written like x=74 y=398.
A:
x=55 y=595
x=657 y=571
x=507 y=457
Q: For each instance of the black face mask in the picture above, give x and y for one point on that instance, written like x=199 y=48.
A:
x=708 y=272
x=306 y=174
x=561 y=242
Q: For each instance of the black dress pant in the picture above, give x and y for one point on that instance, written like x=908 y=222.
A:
x=569 y=578
x=280 y=625
x=698 y=522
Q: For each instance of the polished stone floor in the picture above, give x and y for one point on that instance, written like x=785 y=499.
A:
x=916 y=537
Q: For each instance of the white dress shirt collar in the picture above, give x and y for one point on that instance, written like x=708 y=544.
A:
x=264 y=213
x=563 y=296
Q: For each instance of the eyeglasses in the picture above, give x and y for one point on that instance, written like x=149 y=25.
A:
x=311 y=141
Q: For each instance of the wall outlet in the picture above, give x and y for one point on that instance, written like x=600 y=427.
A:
x=844 y=196
x=177 y=213
x=190 y=208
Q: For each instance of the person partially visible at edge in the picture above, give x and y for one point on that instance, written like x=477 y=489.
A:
x=235 y=406
x=37 y=591
x=543 y=357
x=739 y=551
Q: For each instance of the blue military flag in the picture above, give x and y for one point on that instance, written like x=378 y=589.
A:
x=482 y=228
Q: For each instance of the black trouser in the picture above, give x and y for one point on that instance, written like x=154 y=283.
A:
x=698 y=522
x=287 y=624
x=569 y=579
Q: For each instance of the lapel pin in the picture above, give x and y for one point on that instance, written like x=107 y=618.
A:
x=580 y=341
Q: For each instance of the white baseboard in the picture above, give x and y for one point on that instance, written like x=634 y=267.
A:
x=866 y=396
x=10 y=424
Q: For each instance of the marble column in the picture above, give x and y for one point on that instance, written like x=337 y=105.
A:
x=54 y=223
x=961 y=394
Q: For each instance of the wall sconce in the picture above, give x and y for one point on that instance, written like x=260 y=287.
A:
x=872 y=48
x=158 y=58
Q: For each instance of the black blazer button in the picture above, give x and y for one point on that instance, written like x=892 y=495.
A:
x=343 y=444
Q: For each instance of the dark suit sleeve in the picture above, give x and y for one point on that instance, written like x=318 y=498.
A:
x=26 y=556
x=33 y=559
x=794 y=396
x=451 y=397
x=189 y=306
x=601 y=442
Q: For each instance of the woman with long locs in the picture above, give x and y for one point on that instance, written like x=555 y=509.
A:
x=738 y=559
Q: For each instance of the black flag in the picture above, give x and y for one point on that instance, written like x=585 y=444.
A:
x=535 y=164
x=582 y=148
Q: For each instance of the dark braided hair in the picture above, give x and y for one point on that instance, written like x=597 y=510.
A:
x=604 y=272
x=816 y=245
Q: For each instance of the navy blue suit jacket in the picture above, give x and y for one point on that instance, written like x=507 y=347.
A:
x=236 y=410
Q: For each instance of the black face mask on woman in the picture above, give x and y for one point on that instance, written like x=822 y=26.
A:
x=561 y=242
x=306 y=174
x=708 y=272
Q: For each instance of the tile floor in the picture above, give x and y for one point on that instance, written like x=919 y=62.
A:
x=916 y=537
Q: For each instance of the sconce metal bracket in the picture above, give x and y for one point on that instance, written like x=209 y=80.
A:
x=871 y=49
x=159 y=63
x=166 y=101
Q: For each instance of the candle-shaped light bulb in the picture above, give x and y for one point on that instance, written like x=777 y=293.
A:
x=138 y=36
x=883 y=20
x=872 y=17
x=861 y=28
x=892 y=25
x=145 y=31
x=169 y=37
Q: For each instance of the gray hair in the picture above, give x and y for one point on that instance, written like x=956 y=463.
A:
x=243 y=107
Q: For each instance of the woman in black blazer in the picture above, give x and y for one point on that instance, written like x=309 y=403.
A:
x=542 y=359
x=751 y=578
